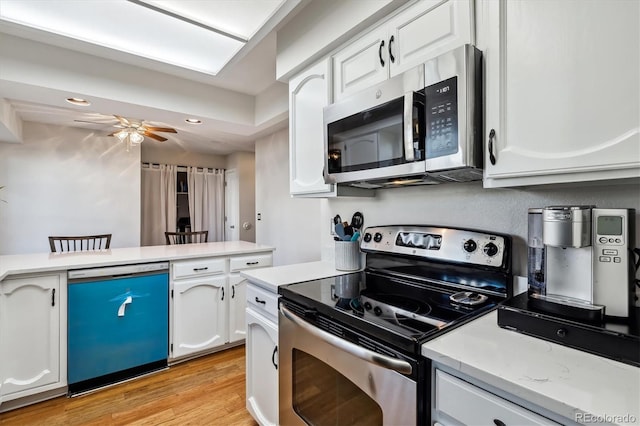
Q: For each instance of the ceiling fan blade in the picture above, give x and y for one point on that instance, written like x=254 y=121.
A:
x=123 y=120
x=156 y=137
x=160 y=129
x=91 y=122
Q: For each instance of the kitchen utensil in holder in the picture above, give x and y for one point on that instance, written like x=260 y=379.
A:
x=347 y=255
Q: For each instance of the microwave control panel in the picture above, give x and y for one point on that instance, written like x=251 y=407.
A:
x=442 y=118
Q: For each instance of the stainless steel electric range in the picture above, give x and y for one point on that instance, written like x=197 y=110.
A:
x=349 y=346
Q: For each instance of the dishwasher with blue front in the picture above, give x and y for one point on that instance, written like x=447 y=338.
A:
x=118 y=324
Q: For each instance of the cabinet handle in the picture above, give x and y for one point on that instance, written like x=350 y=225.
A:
x=222 y=293
x=273 y=357
x=391 y=57
x=53 y=297
x=200 y=269
x=498 y=422
x=264 y=302
x=380 y=52
x=252 y=263
x=233 y=291
x=492 y=135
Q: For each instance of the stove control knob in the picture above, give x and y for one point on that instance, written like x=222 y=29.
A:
x=377 y=311
x=378 y=237
x=490 y=249
x=470 y=246
x=367 y=237
x=367 y=306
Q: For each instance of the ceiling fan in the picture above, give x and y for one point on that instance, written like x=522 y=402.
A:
x=134 y=131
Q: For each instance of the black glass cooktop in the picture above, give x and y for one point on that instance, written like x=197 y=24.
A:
x=400 y=312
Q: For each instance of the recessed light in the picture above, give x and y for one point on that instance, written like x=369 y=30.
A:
x=78 y=101
x=193 y=121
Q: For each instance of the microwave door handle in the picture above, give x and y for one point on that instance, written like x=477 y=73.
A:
x=408 y=127
x=355 y=350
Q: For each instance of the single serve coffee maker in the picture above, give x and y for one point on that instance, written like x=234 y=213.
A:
x=583 y=269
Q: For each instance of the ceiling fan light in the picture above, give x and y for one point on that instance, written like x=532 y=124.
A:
x=136 y=138
x=122 y=135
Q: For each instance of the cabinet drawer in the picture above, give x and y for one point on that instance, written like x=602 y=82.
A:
x=248 y=262
x=199 y=267
x=471 y=405
x=262 y=301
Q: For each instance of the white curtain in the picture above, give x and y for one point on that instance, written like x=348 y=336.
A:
x=158 y=203
x=206 y=201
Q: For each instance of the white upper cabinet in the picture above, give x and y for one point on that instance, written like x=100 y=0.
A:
x=361 y=64
x=425 y=29
x=309 y=92
x=562 y=87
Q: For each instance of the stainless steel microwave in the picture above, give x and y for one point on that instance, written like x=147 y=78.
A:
x=421 y=127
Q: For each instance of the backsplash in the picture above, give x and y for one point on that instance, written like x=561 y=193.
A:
x=470 y=205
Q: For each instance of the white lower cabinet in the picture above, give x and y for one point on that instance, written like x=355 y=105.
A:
x=199 y=315
x=208 y=300
x=262 y=354
x=33 y=336
x=458 y=402
x=262 y=368
x=237 y=304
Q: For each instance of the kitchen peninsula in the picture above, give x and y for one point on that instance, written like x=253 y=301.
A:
x=206 y=303
x=49 y=262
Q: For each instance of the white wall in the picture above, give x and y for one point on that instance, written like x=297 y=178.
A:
x=469 y=205
x=291 y=225
x=66 y=181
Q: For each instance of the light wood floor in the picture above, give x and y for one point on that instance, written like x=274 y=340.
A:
x=205 y=391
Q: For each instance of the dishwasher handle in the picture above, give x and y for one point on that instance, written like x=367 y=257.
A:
x=108 y=272
x=351 y=348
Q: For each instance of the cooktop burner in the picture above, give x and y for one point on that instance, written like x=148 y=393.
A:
x=407 y=295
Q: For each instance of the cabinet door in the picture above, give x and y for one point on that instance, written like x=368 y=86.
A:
x=469 y=404
x=199 y=315
x=309 y=92
x=564 y=106
x=237 y=305
x=262 y=368
x=30 y=335
x=427 y=29
x=361 y=64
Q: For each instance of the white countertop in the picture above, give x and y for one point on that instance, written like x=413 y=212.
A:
x=561 y=379
x=44 y=262
x=273 y=277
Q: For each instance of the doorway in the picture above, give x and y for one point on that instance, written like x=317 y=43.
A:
x=231 y=206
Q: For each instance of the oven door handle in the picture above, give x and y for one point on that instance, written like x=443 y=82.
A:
x=355 y=350
x=408 y=127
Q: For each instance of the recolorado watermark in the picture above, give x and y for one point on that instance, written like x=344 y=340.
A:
x=586 y=418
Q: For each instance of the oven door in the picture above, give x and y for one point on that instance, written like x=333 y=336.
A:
x=328 y=380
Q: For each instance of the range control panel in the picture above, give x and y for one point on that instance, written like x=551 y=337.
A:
x=437 y=243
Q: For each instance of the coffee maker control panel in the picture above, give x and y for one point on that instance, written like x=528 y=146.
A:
x=612 y=279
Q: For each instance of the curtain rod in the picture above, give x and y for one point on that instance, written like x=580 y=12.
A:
x=182 y=168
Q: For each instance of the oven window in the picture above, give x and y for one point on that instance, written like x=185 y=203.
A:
x=322 y=396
